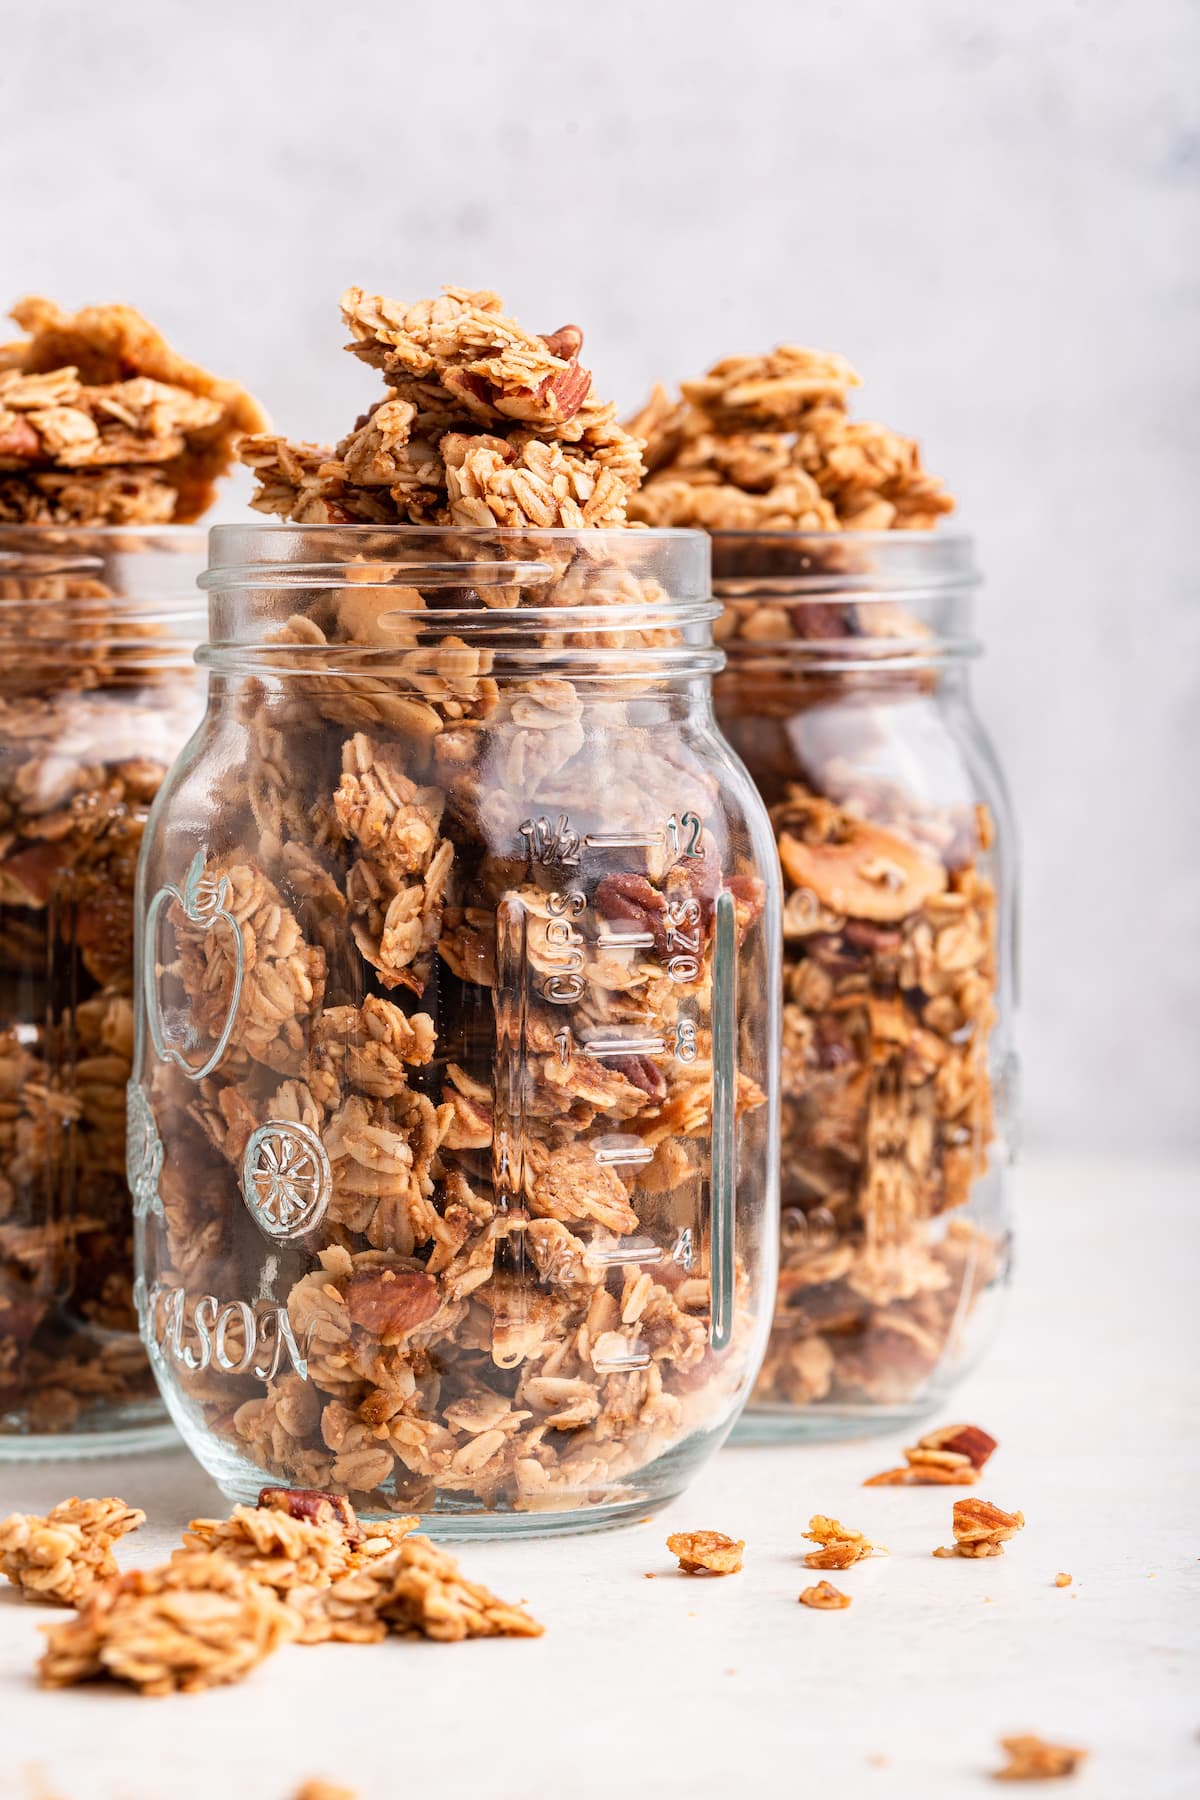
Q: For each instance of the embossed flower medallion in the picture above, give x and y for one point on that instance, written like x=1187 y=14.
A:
x=143 y=1154
x=286 y=1179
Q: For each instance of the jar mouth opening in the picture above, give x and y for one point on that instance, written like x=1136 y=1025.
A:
x=870 y=566
x=442 y=556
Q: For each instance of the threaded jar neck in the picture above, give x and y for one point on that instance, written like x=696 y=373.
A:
x=113 y=600
x=844 y=600
x=383 y=601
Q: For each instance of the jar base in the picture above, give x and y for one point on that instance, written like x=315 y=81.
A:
x=829 y=1424
x=138 y=1435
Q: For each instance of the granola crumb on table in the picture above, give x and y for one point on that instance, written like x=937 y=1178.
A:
x=951 y=1456
x=1032 y=1758
x=1062 y=1579
x=63 y=1556
x=981 y=1529
x=707 y=1552
x=824 y=1597
x=839 y=1546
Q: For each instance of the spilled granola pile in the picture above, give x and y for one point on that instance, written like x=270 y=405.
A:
x=296 y=1568
x=430 y=1221
x=102 y=425
x=891 y=957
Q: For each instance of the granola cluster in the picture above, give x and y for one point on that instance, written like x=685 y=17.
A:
x=440 y=1097
x=482 y=424
x=101 y=423
x=64 y=1555
x=296 y=1568
x=767 y=443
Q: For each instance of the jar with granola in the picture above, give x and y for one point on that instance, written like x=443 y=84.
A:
x=97 y=693
x=846 y=695
x=455 y=1171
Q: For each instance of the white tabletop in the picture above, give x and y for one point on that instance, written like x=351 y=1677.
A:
x=728 y=1687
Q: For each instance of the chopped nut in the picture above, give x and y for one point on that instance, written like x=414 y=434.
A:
x=840 y=1546
x=824 y=1597
x=1031 y=1758
x=63 y=1556
x=960 y=1441
x=706 y=1552
x=981 y=1529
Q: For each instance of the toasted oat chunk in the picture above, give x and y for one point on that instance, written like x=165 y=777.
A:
x=415 y=1589
x=824 y=1597
x=1031 y=1758
x=200 y=1621
x=317 y=1788
x=64 y=1555
x=1063 y=1580
x=950 y=1456
x=839 y=1545
x=981 y=1529
x=133 y=400
x=707 y=1552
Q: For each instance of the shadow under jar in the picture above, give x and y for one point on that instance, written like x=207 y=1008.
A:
x=846 y=695
x=98 y=691
x=457 y=1059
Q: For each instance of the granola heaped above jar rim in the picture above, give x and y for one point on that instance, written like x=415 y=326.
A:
x=767 y=443
x=482 y=424
x=102 y=422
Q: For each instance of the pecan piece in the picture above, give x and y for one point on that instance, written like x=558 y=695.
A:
x=706 y=1552
x=391 y=1303
x=981 y=1529
x=957 y=1440
x=313 y=1504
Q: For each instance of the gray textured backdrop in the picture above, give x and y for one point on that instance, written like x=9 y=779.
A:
x=991 y=209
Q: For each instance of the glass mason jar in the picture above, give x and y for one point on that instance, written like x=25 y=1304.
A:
x=97 y=694
x=845 y=693
x=456 y=1176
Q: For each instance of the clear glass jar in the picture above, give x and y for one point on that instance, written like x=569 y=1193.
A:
x=97 y=693
x=456 y=1181
x=845 y=693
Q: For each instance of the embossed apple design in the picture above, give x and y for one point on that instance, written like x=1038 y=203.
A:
x=202 y=899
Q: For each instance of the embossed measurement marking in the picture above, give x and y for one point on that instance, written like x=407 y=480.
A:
x=618 y=1151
